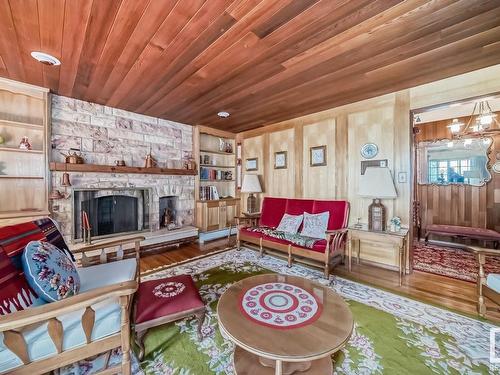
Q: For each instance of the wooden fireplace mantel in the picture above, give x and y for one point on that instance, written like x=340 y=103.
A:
x=95 y=168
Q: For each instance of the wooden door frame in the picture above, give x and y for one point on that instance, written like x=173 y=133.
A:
x=413 y=170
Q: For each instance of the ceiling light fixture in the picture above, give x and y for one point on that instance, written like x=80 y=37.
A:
x=223 y=114
x=45 y=58
x=481 y=122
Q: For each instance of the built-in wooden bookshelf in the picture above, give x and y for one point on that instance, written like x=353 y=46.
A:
x=216 y=195
x=24 y=113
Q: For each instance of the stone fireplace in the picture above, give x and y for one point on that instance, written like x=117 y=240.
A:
x=104 y=135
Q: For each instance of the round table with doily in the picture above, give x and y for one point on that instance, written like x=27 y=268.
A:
x=283 y=325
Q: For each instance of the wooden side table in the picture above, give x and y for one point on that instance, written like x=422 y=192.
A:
x=396 y=240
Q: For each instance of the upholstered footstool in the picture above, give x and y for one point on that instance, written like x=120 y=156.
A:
x=163 y=301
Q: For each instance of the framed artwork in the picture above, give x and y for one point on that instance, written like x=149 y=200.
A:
x=318 y=156
x=251 y=164
x=280 y=160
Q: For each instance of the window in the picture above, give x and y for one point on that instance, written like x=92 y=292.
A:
x=448 y=171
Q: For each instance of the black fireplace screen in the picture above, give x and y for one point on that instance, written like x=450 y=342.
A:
x=111 y=212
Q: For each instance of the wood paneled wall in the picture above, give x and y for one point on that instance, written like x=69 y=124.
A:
x=343 y=131
x=469 y=206
x=383 y=120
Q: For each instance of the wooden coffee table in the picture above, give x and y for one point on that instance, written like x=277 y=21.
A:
x=283 y=325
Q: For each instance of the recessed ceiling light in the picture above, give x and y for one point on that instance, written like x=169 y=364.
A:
x=45 y=58
x=223 y=114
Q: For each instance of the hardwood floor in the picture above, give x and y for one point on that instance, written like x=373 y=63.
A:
x=438 y=290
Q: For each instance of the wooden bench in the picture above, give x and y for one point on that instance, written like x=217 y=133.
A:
x=457 y=231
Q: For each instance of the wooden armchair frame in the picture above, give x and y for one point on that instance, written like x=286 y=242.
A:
x=12 y=325
x=483 y=290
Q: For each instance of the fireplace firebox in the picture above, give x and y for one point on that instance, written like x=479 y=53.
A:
x=110 y=211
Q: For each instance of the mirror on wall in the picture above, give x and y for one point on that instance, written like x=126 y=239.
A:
x=446 y=161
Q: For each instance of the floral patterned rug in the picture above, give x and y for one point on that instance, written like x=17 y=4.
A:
x=450 y=261
x=393 y=334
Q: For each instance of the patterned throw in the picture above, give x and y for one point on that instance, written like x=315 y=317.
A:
x=15 y=293
x=294 y=238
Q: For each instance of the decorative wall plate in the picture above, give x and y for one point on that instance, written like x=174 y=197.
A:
x=496 y=167
x=369 y=150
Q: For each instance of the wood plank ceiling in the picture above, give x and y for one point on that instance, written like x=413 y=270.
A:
x=263 y=61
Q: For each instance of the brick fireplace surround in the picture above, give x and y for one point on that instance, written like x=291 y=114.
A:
x=105 y=134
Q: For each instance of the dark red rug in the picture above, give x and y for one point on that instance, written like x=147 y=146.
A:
x=450 y=261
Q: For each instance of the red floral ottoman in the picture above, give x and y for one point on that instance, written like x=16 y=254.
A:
x=163 y=301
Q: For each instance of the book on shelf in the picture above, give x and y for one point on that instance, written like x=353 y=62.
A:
x=208 y=193
x=215 y=174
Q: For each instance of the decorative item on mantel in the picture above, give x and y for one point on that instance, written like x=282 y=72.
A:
x=377 y=183
x=150 y=161
x=251 y=184
x=73 y=158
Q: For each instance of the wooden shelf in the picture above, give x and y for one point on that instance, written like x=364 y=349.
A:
x=94 y=168
x=218 y=200
x=217 y=152
x=12 y=149
x=23 y=213
x=217 y=166
x=23 y=177
x=23 y=124
x=202 y=180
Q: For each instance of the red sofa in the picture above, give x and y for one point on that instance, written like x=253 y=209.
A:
x=273 y=210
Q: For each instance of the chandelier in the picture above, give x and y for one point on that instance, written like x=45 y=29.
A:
x=482 y=121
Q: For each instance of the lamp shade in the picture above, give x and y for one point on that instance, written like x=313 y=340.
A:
x=251 y=184
x=377 y=183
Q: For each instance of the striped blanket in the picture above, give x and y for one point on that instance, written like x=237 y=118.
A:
x=295 y=238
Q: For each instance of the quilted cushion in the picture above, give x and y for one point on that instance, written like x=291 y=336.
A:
x=315 y=225
x=290 y=223
x=49 y=271
x=163 y=297
x=339 y=212
x=493 y=281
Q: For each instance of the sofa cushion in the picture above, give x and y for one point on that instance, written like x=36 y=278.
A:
x=290 y=223
x=299 y=206
x=49 y=271
x=493 y=281
x=339 y=212
x=272 y=211
x=40 y=345
x=107 y=274
x=315 y=225
x=163 y=297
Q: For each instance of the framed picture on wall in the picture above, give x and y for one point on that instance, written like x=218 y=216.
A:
x=280 y=160
x=251 y=164
x=318 y=156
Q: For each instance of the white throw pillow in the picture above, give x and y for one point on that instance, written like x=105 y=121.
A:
x=315 y=225
x=290 y=223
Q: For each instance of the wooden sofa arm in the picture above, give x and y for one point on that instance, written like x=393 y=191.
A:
x=105 y=257
x=240 y=220
x=52 y=310
x=335 y=237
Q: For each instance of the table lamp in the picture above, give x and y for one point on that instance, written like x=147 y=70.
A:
x=251 y=185
x=377 y=183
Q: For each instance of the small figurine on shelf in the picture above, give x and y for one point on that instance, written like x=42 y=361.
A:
x=395 y=224
x=150 y=161
x=25 y=144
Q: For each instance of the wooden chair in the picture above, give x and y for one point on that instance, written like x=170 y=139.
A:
x=166 y=300
x=93 y=258
x=487 y=287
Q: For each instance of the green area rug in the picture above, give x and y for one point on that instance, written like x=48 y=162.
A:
x=392 y=335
